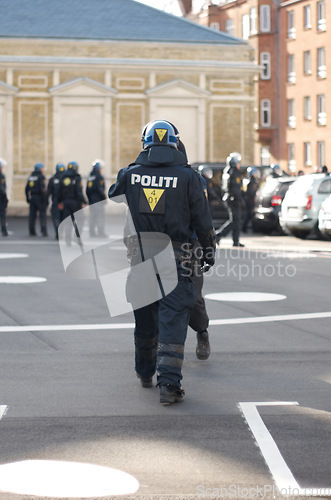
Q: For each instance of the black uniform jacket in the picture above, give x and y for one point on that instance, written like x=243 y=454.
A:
x=165 y=195
x=3 y=193
x=36 y=186
x=70 y=187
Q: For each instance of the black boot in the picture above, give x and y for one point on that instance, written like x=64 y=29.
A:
x=170 y=394
x=145 y=382
x=203 y=346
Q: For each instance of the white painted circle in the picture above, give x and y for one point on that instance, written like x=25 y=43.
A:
x=13 y=255
x=245 y=297
x=50 y=478
x=21 y=280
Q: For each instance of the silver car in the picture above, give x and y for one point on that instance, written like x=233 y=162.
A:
x=302 y=203
x=324 y=218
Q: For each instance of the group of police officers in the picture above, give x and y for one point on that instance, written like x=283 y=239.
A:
x=179 y=210
x=65 y=191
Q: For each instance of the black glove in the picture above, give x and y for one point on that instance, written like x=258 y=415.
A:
x=208 y=256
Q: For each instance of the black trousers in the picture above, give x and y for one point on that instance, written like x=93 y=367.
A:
x=233 y=223
x=160 y=334
x=3 y=210
x=37 y=204
x=199 y=319
x=56 y=214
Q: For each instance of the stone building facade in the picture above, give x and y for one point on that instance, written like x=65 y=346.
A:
x=65 y=99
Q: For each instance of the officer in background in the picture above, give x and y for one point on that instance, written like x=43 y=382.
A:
x=95 y=192
x=3 y=198
x=53 y=192
x=232 y=185
x=70 y=196
x=249 y=196
x=199 y=319
x=276 y=171
x=36 y=196
x=179 y=210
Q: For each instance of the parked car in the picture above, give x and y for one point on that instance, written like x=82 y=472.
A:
x=324 y=218
x=302 y=203
x=268 y=202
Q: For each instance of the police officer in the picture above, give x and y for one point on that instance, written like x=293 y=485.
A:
x=276 y=171
x=95 y=192
x=36 y=196
x=52 y=192
x=249 y=196
x=232 y=185
x=178 y=208
x=3 y=198
x=70 y=195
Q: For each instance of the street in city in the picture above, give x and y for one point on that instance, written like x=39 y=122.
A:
x=255 y=422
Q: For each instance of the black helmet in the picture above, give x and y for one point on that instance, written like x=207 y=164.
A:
x=159 y=133
x=73 y=165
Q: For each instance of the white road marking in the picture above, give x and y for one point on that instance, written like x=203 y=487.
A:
x=245 y=297
x=269 y=319
x=13 y=255
x=51 y=478
x=3 y=410
x=20 y=280
x=127 y=326
x=283 y=477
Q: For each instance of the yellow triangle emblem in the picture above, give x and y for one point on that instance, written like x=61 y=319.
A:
x=153 y=197
x=161 y=132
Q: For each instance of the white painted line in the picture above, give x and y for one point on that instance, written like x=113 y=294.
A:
x=51 y=478
x=3 y=410
x=271 y=319
x=13 y=255
x=58 y=328
x=245 y=297
x=20 y=280
x=283 y=477
x=126 y=326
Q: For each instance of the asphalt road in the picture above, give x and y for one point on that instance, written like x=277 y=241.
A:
x=68 y=392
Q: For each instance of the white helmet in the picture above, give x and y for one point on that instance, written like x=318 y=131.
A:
x=3 y=163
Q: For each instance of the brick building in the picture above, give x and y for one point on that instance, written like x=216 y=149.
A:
x=80 y=78
x=291 y=40
x=306 y=76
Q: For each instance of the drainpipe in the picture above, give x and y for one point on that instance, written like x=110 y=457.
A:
x=277 y=3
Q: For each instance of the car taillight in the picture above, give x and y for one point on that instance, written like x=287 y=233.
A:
x=309 y=202
x=276 y=201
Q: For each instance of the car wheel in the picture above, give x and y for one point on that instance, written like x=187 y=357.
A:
x=318 y=233
x=299 y=234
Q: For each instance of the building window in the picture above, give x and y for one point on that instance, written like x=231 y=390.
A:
x=307 y=107
x=229 y=26
x=265 y=18
x=321 y=66
x=321 y=110
x=245 y=26
x=291 y=121
x=307 y=153
x=307 y=62
x=291 y=77
x=215 y=26
x=290 y=24
x=265 y=62
x=307 y=17
x=265 y=156
x=291 y=157
x=265 y=113
x=253 y=21
x=320 y=153
x=321 y=21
